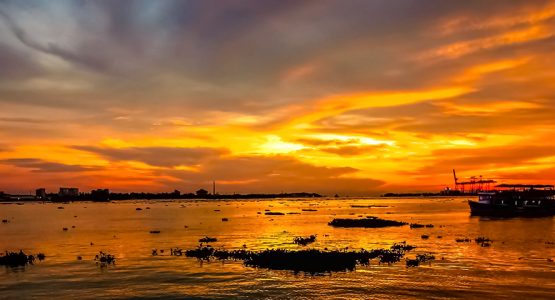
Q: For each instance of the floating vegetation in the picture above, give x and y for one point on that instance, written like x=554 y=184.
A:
x=208 y=239
x=274 y=213
x=403 y=246
x=420 y=258
x=309 y=261
x=155 y=231
x=303 y=241
x=416 y=225
x=176 y=252
x=368 y=222
x=105 y=259
x=19 y=259
x=483 y=241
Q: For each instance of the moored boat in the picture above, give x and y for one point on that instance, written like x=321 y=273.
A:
x=513 y=200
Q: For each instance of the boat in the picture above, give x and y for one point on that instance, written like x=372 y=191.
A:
x=515 y=200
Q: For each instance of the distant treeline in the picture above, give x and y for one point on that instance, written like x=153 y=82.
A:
x=128 y=196
x=105 y=195
x=443 y=193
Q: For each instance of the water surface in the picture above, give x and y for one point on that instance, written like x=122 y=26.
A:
x=515 y=266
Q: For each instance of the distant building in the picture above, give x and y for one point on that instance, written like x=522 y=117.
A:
x=40 y=193
x=68 y=192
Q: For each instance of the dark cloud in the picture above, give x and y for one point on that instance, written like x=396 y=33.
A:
x=485 y=158
x=328 y=142
x=23 y=120
x=42 y=166
x=346 y=147
x=240 y=173
x=233 y=55
x=353 y=150
x=16 y=65
x=532 y=176
x=263 y=174
x=156 y=156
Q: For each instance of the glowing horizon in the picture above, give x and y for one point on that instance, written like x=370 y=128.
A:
x=355 y=98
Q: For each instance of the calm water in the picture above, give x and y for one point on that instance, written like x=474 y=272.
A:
x=515 y=266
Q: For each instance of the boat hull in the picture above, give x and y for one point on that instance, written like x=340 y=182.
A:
x=508 y=211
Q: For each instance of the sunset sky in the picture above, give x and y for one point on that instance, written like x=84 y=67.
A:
x=349 y=97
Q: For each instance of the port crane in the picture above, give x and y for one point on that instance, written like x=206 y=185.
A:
x=473 y=185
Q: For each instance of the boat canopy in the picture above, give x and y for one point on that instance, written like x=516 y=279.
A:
x=526 y=186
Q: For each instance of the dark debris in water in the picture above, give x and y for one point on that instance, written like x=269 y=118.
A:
x=368 y=222
x=420 y=258
x=416 y=225
x=274 y=213
x=207 y=239
x=105 y=259
x=483 y=241
x=303 y=241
